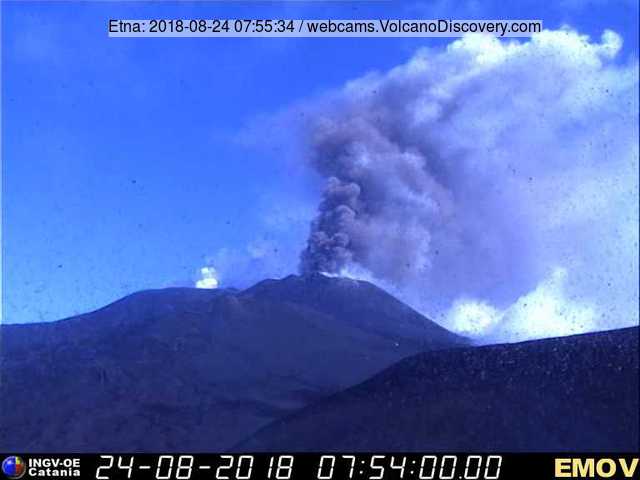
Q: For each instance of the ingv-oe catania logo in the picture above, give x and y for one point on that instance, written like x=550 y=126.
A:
x=14 y=467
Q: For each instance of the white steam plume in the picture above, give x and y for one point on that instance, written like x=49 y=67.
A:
x=489 y=175
x=208 y=278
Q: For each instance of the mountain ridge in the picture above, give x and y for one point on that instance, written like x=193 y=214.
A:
x=575 y=393
x=189 y=369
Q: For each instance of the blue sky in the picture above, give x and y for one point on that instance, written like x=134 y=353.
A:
x=124 y=165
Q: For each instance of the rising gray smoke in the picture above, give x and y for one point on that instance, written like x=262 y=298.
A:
x=494 y=185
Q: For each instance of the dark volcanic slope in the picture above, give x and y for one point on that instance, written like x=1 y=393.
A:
x=565 y=394
x=186 y=369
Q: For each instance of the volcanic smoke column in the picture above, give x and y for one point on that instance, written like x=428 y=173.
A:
x=328 y=249
x=379 y=202
x=466 y=175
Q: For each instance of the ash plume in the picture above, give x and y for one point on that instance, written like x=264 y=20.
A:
x=484 y=175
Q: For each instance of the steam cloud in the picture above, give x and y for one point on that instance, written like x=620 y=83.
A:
x=492 y=184
x=208 y=278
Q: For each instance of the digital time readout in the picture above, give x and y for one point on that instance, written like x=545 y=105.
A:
x=304 y=466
